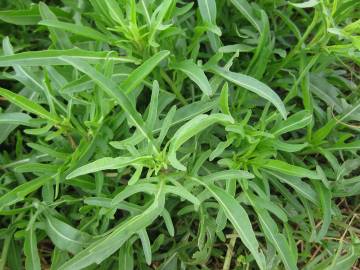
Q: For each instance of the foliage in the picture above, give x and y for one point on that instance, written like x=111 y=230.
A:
x=169 y=134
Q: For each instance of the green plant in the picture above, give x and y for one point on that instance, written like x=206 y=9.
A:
x=220 y=134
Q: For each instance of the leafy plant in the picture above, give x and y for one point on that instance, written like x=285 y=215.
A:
x=179 y=135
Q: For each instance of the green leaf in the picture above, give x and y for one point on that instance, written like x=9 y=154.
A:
x=28 y=105
x=153 y=106
x=137 y=76
x=77 y=29
x=224 y=99
x=240 y=220
x=252 y=85
x=64 y=236
x=225 y=175
x=20 y=17
x=352 y=146
x=16 y=118
x=190 y=129
x=286 y=168
x=298 y=185
x=31 y=251
x=307 y=4
x=54 y=57
x=296 y=121
x=278 y=240
x=126 y=260
x=145 y=242
x=288 y=147
x=188 y=112
x=325 y=203
x=118 y=94
x=19 y=192
x=271 y=232
x=166 y=125
x=246 y=10
x=108 y=163
x=196 y=74
x=157 y=19
x=58 y=36
x=208 y=10
x=106 y=246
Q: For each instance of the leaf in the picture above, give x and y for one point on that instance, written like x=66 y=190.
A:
x=108 y=163
x=298 y=185
x=58 y=36
x=133 y=189
x=246 y=10
x=48 y=151
x=286 y=168
x=183 y=193
x=208 y=14
x=15 y=118
x=226 y=175
x=325 y=203
x=118 y=94
x=54 y=57
x=270 y=229
x=166 y=123
x=252 y=85
x=126 y=260
x=188 y=112
x=28 y=105
x=190 y=129
x=115 y=11
x=307 y=4
x=64 y=236
x=168 y=222
x=137 y=76
x=196 y=74
x=157 y=19
x=288 y=147
x=224 y=99
x=31 y=251
x=106 y=246
x=352 y=146
x=77 y=29
x=145 y=242
x=153 y=106
x=271 y=232
x=296 y=121
x=208 y=10
x=239 y=219
x=20 y=17
x=19 y=192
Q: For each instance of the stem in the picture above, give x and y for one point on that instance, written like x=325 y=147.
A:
x=229 y=254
